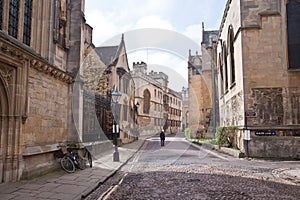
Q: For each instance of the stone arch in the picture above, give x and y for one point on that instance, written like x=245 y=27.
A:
x=4 y=110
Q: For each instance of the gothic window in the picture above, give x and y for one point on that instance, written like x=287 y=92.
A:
x=231 y=54
x=225 y=67
x=293 y=29
x=125 y=114
x=125 y=85
x=13 y=18
x=146 y=107
x=221 y=66
x=27 y=22
x=1 y=13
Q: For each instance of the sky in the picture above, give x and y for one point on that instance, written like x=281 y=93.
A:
x=158 y=32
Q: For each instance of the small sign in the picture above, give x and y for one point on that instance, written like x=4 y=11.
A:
x=265 y=133
x=251 y=113
x=246 y=134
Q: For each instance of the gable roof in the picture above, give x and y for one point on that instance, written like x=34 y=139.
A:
x=110 y=54
x=107 y=54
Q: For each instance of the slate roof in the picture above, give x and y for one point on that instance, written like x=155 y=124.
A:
x=110 y=54
x=107 y=54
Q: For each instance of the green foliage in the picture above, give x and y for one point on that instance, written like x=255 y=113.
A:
x=223 y=133
x=219 y=136
x=187 y=132
x=213 y=141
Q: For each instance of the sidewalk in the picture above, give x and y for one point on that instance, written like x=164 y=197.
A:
x=61 y=185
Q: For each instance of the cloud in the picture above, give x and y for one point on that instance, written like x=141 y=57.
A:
x=194 y=32
x=153 y=21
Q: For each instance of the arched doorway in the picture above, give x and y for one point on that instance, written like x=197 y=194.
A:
x=3 y=129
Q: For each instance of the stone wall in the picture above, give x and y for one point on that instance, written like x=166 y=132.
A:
x=274 y=147
x=48 y=122
x=49 y=109
x=231 y=112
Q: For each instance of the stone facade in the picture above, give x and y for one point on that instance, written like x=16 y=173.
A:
x=106 y=69
x=36 y=74
x=185 y=108
x=255 y=76
x=201 y=88
x=158 y=107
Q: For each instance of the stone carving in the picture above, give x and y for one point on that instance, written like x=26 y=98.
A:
x=6 y=74
x=61 y=24
x=51 y=70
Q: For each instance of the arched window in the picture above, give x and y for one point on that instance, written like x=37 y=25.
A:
x=224 y=51
x=221 y=67
x=231 y=54
x=146 y=107
x=293 y=31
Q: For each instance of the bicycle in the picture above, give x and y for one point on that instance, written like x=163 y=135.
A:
x=70 y=160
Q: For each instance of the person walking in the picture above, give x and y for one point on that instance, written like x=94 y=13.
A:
x=162 y=138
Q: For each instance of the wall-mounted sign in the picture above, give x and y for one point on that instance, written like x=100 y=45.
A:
x=246 y=134
x=265 y=133
x=251 y=113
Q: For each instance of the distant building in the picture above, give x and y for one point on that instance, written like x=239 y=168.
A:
x=158 y=107
x=185 y=108
x=258 y=72
x=201 y=87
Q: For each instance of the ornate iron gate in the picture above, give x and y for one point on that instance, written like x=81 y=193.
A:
x=97 y=117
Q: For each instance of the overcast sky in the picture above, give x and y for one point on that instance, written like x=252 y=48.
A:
x=181 y=20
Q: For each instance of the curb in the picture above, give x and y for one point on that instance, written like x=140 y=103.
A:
x=229 y=151
x=87 y=193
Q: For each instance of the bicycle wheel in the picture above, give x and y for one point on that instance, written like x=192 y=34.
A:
x=79 y=161
x=67 y=164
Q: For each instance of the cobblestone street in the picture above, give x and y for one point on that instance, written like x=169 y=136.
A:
x=182 y=171
x=209 y=183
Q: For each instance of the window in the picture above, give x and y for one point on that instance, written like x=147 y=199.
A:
x=146 y=106
x=1 y=13
x=221 y=73
x=231 y=54
x=13 y=18
x=225 y=67
x=293 y=29
x=196 y=72
x=27 y=22
x=125 y=85
x=125 y=110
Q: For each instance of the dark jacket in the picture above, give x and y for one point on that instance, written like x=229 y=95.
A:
x=162 y=135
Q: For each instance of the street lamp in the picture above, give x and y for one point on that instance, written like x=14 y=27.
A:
x=115 y=96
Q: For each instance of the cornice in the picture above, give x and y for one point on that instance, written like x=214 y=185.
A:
x=37 y=62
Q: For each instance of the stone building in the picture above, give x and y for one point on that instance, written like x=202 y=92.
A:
x=201 y=87
x=119 y=78
x=259 y=75
x=158 y=107
x=185 y=108
x=42 y=45
x=104 y=70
